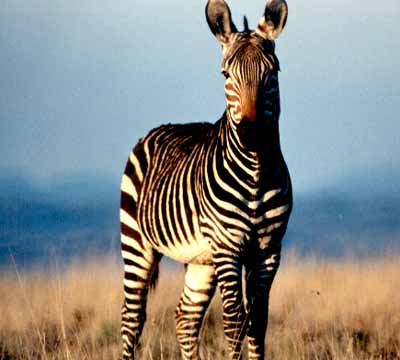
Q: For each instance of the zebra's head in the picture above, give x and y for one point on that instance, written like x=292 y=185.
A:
x=250 y=66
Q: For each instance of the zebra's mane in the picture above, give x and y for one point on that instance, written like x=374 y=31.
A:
x=246 y=25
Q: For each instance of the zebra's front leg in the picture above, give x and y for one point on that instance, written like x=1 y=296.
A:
x=259 y=278
x=200 y=284
x=229 y=274
x=140 y=263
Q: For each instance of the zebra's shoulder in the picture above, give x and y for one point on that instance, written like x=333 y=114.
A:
x=195 y=132
x=194 y=129
x=181 y=138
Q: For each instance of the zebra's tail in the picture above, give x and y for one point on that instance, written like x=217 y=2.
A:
x=155 y=273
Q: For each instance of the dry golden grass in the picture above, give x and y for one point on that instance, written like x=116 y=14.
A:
x=320 y=309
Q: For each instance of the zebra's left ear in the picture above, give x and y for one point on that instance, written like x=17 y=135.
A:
x=219 y=20
x=274 y=19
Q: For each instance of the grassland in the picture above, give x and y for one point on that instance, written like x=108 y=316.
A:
x=320 y=309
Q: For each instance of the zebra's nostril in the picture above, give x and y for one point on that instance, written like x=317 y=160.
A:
x=249 y=112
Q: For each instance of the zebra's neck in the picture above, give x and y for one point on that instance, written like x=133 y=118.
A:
x=252 y=165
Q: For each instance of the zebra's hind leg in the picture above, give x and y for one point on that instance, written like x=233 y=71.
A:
x=200 y=284
x=141 y=269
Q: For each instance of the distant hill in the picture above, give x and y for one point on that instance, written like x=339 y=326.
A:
x=66 y=218
x=358 y=215
x=56 y=220
x=329 y=225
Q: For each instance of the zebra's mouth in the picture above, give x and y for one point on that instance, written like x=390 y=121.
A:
x=254 y=135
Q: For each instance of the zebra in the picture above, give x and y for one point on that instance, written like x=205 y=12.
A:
x=216 y=197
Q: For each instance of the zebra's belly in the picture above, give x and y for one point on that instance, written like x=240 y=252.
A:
x=196 y=252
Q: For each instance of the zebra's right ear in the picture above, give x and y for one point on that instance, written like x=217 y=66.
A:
x=219 y=20
x=274 y=19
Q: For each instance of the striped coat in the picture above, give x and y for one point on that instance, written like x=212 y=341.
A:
x=216 y=197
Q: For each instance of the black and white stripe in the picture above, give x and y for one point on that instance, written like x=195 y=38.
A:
x=216 y=197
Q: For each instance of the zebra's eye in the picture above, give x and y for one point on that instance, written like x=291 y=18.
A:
x=225 y=73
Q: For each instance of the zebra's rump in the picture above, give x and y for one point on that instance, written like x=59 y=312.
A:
x=164 y=170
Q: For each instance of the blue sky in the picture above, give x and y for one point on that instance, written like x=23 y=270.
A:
x=82 y=81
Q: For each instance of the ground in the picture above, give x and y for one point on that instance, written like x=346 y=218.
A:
x=320 y=309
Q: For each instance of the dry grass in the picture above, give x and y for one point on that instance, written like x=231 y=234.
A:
x=319 y=310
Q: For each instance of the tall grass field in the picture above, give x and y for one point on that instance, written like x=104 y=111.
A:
x=320 y=309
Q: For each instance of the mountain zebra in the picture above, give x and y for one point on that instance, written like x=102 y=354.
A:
x=216 y=197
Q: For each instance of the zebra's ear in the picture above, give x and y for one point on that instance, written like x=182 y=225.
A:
x=219 y=20
x=274 y=19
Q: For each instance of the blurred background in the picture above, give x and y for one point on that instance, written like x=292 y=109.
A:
x=81 y=82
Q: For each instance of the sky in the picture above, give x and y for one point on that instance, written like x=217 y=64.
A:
x=82 y=81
